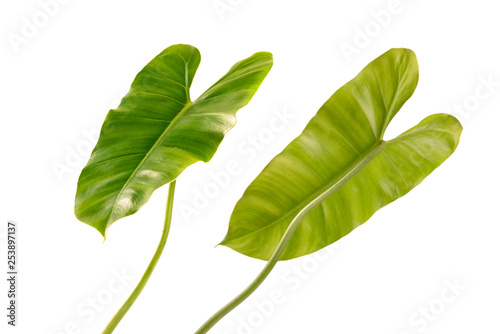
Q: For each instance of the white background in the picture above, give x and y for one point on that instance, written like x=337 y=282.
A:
x=61 y=82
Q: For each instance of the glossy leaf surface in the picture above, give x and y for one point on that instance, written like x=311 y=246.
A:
x=347 y=130
x=157 y=131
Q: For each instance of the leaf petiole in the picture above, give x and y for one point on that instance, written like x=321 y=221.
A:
x=147 y=274
x=351 y=171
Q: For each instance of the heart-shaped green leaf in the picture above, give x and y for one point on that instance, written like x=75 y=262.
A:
x=340 y=166
x=157 y=131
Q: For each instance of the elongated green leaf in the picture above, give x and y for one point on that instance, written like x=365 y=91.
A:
x=343 y=146
x=157 y=131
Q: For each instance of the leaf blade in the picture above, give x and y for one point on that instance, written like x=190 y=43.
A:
x=157 y=132
x=311 y=163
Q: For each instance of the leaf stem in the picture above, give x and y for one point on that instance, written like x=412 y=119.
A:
x=147 y=274
x=352 y=170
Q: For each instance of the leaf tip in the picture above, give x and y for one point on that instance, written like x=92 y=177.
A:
x=222 y=243
x=265 y=57
x=226 y=242
x=403 y=51
x=456 y=122
x=454 y=125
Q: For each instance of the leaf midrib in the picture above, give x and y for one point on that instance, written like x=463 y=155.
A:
x=186 y=107
x=378 y=146
x=318 y=193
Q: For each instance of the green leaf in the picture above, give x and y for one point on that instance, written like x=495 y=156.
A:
x=157 y=131
x=340 y=166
